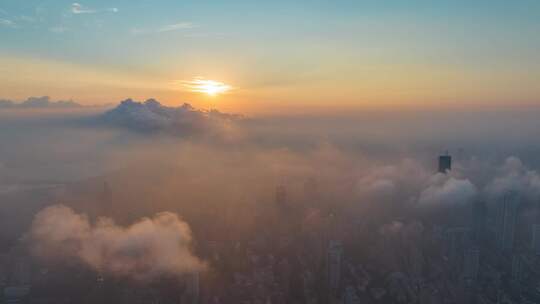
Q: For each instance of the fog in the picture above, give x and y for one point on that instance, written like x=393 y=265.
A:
x=142 y=187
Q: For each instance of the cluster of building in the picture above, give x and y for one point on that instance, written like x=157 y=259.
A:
x=489 y=255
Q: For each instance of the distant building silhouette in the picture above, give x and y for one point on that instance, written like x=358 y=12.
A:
x=350 y=296
x=471 y=264
x=335 y=251
x=458 y=240
x=105 y=200
x=445 y=163
x=281 y=196
x=478 y=225
x=535 y=240
x=507 y=220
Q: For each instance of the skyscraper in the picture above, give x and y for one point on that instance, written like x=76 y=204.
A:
x=445 y=163
x=105 y=204
x=535 y=240
x=458 y=241
x=506 y=220
x=479 y=214
x=471 y=264
x=281 y=196
x=335 y=251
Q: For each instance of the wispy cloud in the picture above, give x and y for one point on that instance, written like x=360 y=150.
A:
x=77 y=8
x=28 y=19
x=176 y=27
x=7 y=23
x=166 y=28
x=58 y=29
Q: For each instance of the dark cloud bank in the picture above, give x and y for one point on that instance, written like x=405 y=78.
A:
x=39 y=102
x=151 y=116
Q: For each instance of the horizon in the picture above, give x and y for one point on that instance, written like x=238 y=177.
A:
x=341 y=56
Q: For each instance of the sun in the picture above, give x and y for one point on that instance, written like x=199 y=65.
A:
x=207 y=86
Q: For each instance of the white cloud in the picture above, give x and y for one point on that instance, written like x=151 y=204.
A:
x=7 y=23
x=166 y=28
x=58 y=29
x=176 y=27
x=77 y=8
x=514 y=176
x=447 y=190
x=149 y=247
x=28 y=19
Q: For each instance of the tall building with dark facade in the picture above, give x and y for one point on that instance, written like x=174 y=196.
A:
x=471 y=264
x=478 y=221
x=445 y=163
x=507 y=220
x=334 y=259
x=535 y=239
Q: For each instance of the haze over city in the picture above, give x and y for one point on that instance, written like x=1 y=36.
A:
x=272 y=152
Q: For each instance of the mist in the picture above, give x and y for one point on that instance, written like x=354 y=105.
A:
x=143 y=190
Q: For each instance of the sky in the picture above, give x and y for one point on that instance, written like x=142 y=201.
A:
x=272 y=56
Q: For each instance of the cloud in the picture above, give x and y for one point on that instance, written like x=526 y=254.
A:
x=7 y=23
x=39 y=102
x=447 y=190
x=390 y=182
x=58 y=29
x=166 y=28
x=514 y=176
x=77 y=8
x=151 y=116
x=176 y=27
x=143 y=250
x=27 y=18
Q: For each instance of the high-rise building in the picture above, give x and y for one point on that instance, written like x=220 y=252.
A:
x=350 y=296
x=478 y=225
x=445 y=163
x=335 y=251
x=281 y=196
x=458 y=240
x=105 y=204
x=471 y=264
x=16 y=294
x=192 y=291
x=519 y=266
x=506 y=220
x=535 y=240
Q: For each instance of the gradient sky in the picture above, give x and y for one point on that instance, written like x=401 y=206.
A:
x=277 y=55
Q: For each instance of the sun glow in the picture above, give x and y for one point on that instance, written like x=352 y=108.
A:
x=206 y=86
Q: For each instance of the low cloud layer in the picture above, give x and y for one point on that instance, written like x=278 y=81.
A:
x=447 y=190
x=152 y=116
x=514 y=176
x=147 y=248
x=39 y=102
